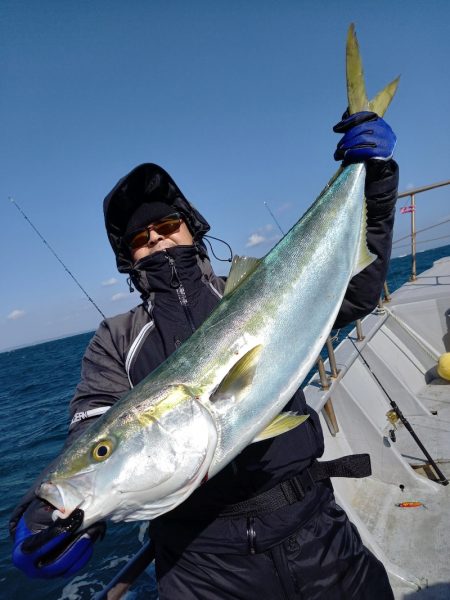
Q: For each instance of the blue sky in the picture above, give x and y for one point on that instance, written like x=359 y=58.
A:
x=235 y=99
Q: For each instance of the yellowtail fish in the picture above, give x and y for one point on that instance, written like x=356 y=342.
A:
x=225 y=386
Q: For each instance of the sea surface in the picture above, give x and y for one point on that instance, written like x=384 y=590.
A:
x=36 y=385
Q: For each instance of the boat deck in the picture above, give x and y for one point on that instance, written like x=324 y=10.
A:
x=401 y=347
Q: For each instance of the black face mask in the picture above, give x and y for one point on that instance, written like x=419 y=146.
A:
x=155 y=272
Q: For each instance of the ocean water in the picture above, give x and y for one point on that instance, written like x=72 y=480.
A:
x=36 y=385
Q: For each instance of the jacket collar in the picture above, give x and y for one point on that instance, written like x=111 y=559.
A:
x=164 y=271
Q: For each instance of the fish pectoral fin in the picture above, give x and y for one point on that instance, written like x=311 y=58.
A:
x=238 y=380
x=282 y=423
x=241 y=268
x=364 y=257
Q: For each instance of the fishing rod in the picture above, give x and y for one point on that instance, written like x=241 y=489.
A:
x=56 y=256
x=273 y=217
x=442 y=478
x=120 y=584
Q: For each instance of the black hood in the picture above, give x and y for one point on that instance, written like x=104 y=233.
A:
x=145 y=182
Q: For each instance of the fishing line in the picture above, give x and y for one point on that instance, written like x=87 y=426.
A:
x=442 y=478
x=273 y=217
x=56 y=256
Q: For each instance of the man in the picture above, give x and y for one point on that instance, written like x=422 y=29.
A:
x=233 y=537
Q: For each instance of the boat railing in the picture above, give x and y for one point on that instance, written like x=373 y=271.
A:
x=411 y=209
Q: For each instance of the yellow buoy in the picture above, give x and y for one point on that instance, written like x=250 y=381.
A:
x=443 y=367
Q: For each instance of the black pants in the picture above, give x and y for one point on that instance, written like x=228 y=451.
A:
x=325 y=560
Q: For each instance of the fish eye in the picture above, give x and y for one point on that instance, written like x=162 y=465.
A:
x=102 y=450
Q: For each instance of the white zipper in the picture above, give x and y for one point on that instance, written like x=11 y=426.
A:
x=133 y=349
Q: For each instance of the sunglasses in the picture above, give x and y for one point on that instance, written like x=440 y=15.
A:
x=165 y=226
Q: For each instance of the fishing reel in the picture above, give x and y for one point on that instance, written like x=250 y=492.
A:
x=392 y=418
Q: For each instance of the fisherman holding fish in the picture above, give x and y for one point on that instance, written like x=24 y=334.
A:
x=245 y=520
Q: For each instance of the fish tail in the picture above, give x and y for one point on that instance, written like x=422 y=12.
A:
x=356 y=87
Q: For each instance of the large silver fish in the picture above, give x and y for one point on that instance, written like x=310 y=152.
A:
x=224 y=387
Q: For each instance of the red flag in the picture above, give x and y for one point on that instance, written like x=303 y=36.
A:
x=407 y=209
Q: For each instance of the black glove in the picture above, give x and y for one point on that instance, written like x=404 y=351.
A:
x=46 y=549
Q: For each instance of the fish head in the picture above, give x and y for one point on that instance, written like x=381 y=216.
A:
x=137 y=463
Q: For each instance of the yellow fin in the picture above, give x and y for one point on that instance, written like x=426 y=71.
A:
x=236 y=383
x=382 y=100
x=241 y=267
x=356 y=87
x=364 y=257
x=284 y=422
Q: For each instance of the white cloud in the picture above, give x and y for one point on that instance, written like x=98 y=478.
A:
x=255 y=239
x=261 y=236
x=111 y=281
x=119 y=296
x=284 y=208
x=16 y=314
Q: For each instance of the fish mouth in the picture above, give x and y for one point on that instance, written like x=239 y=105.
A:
x=65 y=498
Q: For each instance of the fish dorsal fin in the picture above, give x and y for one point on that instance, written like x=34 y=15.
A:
x=237 y=382
x=364 y=257
x=241 y=267
x=282 y=423
x=356 y=87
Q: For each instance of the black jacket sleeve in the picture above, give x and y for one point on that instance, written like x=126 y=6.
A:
x=364 y=289
x=103 y=382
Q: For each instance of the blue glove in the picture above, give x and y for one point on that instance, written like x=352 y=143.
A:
x=55 y=551
x=366 y=136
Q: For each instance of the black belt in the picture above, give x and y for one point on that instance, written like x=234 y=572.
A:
x=295 y=489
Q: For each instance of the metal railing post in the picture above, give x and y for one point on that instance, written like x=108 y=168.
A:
x=331 y=417
x=359 y=331
x=329 y=414
x=413 y=238
x=332 y=358
x=324 y=381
